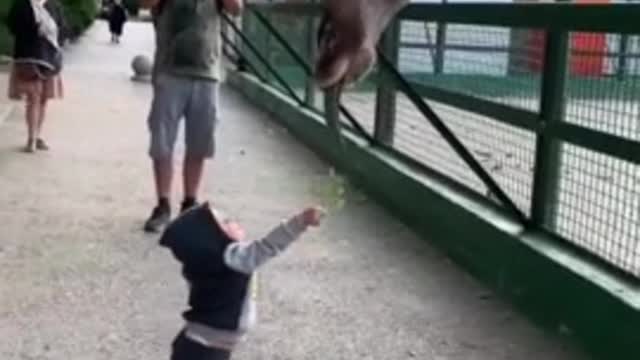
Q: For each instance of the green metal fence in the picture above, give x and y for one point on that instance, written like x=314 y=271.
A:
x=545 y=97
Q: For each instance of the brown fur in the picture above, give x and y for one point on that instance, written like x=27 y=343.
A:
x=349 y=52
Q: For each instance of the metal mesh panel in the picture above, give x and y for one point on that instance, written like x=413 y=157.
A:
x=599 y=196
x=415 y=137
x=360 y=101
x=603 y=86
x=599 y=206
x=493 y=63
x=312 y=24
x=362 y=105
x=505 y=152
x=294 y=30
x=251 y=30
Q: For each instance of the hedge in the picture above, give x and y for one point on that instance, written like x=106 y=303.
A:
x=78 y=16
x=6 y=43
x=132 y=6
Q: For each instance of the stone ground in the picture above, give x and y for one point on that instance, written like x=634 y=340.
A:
x=81 y=281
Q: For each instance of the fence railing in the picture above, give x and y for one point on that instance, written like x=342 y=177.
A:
x=546 y=98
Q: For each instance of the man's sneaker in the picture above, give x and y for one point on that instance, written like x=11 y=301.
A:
x=187 y=205
x=160 y=218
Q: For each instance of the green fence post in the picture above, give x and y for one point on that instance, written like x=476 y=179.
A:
x=310 y=91
x=250 y=28
x=621 y=70
x=246 y=28
x=441 y=43
x=332 y=112
x=385 y=118
x=266 y=46
x=548 y=149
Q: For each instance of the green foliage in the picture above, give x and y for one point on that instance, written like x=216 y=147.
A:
x=330 y=191
x=132 y=6
x=80 y=14
x=6 y=42
x=334 y=191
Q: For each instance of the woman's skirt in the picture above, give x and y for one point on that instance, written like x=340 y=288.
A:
x=23 y=85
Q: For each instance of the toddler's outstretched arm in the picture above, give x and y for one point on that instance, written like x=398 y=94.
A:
x=247 y=257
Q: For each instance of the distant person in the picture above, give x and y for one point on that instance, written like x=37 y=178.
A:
x=117 y=19
x=37 y=62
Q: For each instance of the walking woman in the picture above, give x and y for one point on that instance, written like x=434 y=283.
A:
x=37 y=62
x=117 y=19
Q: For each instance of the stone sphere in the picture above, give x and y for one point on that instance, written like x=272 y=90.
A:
x=142 y=66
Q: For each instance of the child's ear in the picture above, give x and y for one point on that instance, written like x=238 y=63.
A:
x=219 y=216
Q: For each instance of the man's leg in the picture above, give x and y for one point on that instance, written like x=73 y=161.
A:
x=169 y=100
x=163 y=176
x=201 y=119
x=192 y=177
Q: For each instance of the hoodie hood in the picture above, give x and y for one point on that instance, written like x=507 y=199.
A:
x=197 y=240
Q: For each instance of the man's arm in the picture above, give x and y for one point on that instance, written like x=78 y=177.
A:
x=232 y=7
x=247 y=257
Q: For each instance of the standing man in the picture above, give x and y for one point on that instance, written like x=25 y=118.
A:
x=186 y=73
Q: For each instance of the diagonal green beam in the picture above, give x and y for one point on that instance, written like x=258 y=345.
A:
x=451 y=139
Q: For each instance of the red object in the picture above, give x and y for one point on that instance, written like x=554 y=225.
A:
x=588 y=53
x=535 y=50
x=588 y=50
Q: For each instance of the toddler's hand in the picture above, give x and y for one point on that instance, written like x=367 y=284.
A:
x=312 y=216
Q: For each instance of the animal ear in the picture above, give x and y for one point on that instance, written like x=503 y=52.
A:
x=333 y=61
x=331 y=68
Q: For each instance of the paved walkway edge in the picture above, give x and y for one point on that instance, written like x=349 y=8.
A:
x=551 y=282
x=6 y=111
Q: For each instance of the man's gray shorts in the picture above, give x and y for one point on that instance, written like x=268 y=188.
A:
x=176 y=97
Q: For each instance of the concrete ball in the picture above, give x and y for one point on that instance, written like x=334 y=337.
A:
x=142 y=65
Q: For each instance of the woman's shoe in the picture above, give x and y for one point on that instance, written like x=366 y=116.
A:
x=30 y=147
x=41 y=145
